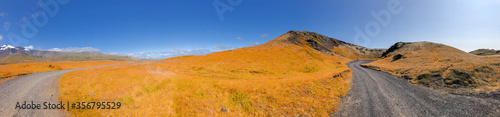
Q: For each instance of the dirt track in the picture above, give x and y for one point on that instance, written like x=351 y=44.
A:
x=39 y=88
x=375 y=93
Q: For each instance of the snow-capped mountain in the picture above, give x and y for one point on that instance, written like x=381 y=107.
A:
x=5 y=47
x=6 y=50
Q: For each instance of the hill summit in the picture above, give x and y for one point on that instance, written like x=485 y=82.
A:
x=327 y=45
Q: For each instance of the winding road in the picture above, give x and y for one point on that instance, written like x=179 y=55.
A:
x=379 y=94
x=39 y=88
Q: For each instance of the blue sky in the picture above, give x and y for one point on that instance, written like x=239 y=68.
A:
x=164 y=28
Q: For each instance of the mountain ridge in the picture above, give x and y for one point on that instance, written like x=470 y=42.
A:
x=327 y=45
x=485 y=52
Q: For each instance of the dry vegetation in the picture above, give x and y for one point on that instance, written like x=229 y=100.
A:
x=273 y=79
x=440 y=66
x=14 y=70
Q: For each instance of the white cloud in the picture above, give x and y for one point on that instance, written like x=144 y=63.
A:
x=75 y=49
x=222 y=47
x=256 y=43
x=240 y=38
x=1 y=37
x=170 y=53
x=3 y=14
x=30 y=47
x=264 y=35
x=6 y=26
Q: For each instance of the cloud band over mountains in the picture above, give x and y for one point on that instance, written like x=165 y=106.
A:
x=75 y=49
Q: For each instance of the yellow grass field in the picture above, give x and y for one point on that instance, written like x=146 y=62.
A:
x=276 y=79
x=14 y=70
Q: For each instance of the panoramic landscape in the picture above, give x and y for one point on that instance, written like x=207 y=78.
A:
x=228 y=58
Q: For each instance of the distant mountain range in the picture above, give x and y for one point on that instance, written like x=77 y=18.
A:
x=485 y=52
x=11 y=54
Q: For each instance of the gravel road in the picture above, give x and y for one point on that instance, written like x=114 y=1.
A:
x=39 y=88
x=372 y=93
x=379 y=94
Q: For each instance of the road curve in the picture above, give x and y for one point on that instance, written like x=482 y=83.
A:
x=380 y=94
x=39 y=88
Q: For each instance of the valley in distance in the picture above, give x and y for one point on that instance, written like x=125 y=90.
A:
x=299 y=73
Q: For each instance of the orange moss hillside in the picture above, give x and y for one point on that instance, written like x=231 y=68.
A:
x=273 y=79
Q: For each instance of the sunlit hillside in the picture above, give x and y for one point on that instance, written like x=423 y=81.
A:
x=278 y=78
x=440 y=66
